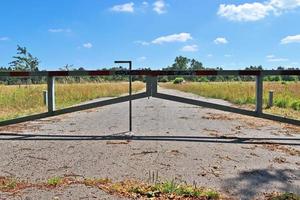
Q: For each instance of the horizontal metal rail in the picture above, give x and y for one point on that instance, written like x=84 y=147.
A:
x=226 y=108
x=151 y=90
x=75 y=109
x=153 y=73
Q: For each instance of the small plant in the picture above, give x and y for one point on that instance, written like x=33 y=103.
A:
x=183 y=190
x=164 y=79
x=8 y=184
x=93 y=182
x=286 y=196
x=202 y=79
x=54 y=181
x=178 y=80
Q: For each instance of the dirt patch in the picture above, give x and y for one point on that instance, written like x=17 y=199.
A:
x=216 y=116
x=280 y=148
x=20 y=128
x=280 y=160
x=144 y=153
x=212 y=132
x=118 y=142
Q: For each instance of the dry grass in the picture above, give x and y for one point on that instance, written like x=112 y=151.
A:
x=22 y=100
x=129 y=188
x=286 y=96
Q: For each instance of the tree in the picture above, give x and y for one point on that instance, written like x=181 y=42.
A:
x=196 y=65
x=181 y=63
x=24 y=61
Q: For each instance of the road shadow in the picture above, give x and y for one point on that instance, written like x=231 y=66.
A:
x=122 y=136
x=248 y=184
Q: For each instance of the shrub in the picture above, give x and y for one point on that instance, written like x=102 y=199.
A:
x=54 y=181
x=296 y=105
x=203 y=79
x=178 y=80
x=164 y=79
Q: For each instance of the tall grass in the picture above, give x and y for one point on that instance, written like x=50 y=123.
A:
x=22 y=100
x=286 y=95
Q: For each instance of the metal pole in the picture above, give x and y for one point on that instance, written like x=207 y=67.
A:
x=130 y=101
x=148 y=86
x=51 y=93
x=45 y=96
x=271 y=94
x=259 y=94
x=154 y=85
x=130 y=91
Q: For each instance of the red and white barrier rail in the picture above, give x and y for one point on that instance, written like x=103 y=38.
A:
x=152 y=73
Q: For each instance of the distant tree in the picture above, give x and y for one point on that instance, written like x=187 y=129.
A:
x=24 y=61
x=196 y=65
x=181 y=63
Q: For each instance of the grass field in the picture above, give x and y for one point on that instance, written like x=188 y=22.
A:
x=286 y=95
x=22 y=100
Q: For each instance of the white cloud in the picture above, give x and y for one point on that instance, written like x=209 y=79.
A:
x=159 y=7
x=220 y=40
x=141 y=59
x=127 y=7
x=59 y=30
x=190 y=48
x=244 y=12
x=87 y=45
x=181 y=37
x=145 y=3
x=272 y=58
x=228 y=55
x=291 y=39
x=143 y=43
x=209 y=55
x=257 y=10
x=281 y=5
x=4 y=38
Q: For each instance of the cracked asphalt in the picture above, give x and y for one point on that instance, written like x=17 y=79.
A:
x=238 y=155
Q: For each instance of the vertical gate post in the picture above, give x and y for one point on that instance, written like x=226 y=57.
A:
x=130 y=91
x=130 y=101
x=149 y=85
x=270 y=104
x=259 y=94
x=45 y=97
x=154 y=85
x=51 y=93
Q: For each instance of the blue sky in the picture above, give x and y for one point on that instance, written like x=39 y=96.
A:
x=94 y=33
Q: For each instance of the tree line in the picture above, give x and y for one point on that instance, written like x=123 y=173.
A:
x=25 y=61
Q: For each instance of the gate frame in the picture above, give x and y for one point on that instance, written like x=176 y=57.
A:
x=151 y=90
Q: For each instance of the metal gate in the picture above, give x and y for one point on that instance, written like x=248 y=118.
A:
x=151 y=91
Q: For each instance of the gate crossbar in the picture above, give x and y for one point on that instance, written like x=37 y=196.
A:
x=75 y=109
x=151 y=90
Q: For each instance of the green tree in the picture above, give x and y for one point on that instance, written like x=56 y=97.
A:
x=181 y=63
x=24 y=61
x=196 y=65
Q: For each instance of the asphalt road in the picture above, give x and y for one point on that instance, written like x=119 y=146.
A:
x=224 y=151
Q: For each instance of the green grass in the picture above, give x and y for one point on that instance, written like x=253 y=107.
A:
x=171 y=188
x=286 y=196
x=16 y=101
x=9 y=185
x=54 y=181
x=286 y=96
x=132 y=189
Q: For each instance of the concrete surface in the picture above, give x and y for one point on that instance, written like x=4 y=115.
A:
x=225 y=151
